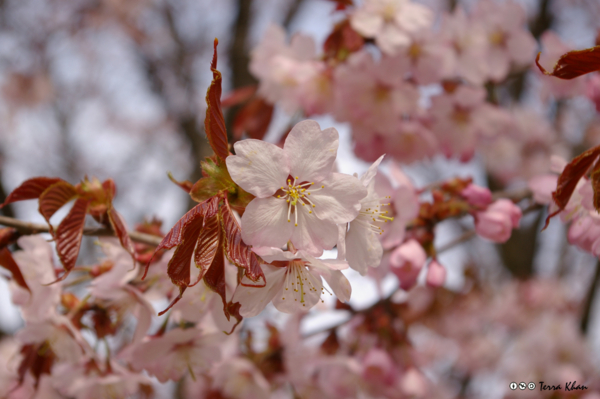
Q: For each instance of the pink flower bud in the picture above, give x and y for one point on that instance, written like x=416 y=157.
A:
x=436 y=274
x=498 y=220
x=406 y=263
x=477 y=195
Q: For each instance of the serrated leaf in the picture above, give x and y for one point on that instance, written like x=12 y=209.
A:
x=9 y=263
x=55 y=197
x=574 y=63
x=236 y=250
x=69 y=234
x=214 y=123
x=118 y=225
x=214 y=278
x=208 y=243
x=30 y=189
x=570 y=176
x=175 y=235
x=179 y=265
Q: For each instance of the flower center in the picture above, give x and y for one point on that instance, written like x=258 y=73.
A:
x=297 y=194
x=299 y=280
x=371 y=213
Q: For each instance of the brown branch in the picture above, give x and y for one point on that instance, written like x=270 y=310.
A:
x=589 y=300
x=28 y=228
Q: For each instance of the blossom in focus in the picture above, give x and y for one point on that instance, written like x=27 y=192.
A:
x=498 y=220
x=298 y=197
x=363 y=248
x=294 y=282
x=390 y=22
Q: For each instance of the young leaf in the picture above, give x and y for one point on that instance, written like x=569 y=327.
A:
x=214 y=277
x=214 y=123
x=239 y=96
x=175 y=236
x=69 y=234
x=574 y=63
x=179 y=265
x=55 y=197
x=342 y=41
x=567 y=181
x=208 y=242
x=216 y=179
x=118 y=226
x=185 y=185
x=8 y=262
x=30 y=189
x=236 y=250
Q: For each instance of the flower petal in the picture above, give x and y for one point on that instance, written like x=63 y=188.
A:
x=371 y=172
x=313 y=234
x=363 y=248
x=302 y=298
x=254 y=299
x=270 y=254
x=339 y=199
x=258 y=167
x=339 y=284
x=310 y=151
x=265 y=222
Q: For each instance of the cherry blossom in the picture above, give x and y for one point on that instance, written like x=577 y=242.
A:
x=294 y=284
x=498 y=220
x=390 y=22
x=406 y=262
x=298 y=197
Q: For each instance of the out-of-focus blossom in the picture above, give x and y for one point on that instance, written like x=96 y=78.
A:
x=509 y=42
x=468 y=40
x=176 y=353
x=430 y=60
x=461 y=117
x=477 y=195
x=406 y=263
x=298 y=197
x=374 y=96
x=498 y=220
x=436 y=274
x=238 y=378
x=390 y=22
x=295 y=284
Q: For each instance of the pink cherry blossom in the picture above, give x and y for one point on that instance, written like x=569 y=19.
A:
x=390 y=22
x=498 y=220
x=436 y=274
x=508 y=39
x=373 y=96
x=363 y=248
x=298 y=197
x=238 y=378
x=467 y=38
x=406 y=263
x=176 y=353
x=477 y=196
x=295 y=286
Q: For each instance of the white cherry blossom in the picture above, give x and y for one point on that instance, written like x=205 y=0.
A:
x=298 y=197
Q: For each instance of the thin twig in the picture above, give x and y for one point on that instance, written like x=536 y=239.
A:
x=589 y=300
x=28 y=228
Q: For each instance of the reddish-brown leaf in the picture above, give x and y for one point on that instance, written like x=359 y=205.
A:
x=175 y=236
x=214 y=277
x=55 y=197
x=8 y=262
x=574 y=63
x=120 y=229
x=233 y=309
x=236 y=250
x=214 y=123
x=342 y=4
x=182 y=289
x=185 y=185
x=8 y=235
x=342 y=41
x=595 y=179
x=30 y=189
x=567 y=181
x=37 y=359
x=208 y=242
x=239 y=96
x=179 y=265
x=253 y=119
x=69 y=234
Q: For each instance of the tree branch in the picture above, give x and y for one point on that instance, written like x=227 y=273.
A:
x=589 y=300
x=28 y=228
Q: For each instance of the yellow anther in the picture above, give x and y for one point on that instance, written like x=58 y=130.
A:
x=296 y=177
x=296 y=225
x=313 y=205
x=289 y=220
x=309 y=211
x=322 y=186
